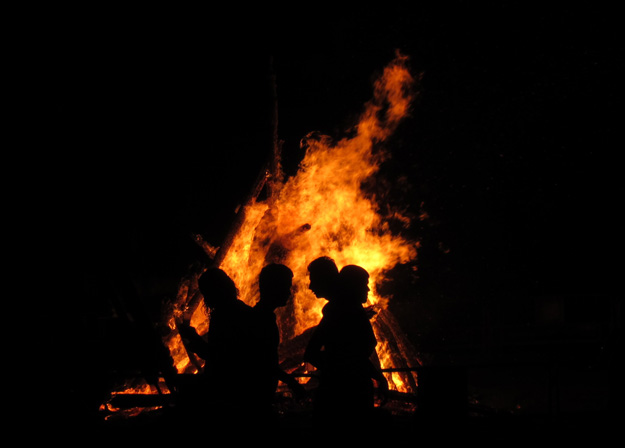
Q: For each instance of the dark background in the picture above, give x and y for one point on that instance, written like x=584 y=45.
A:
x=156 y=126
x=162 y=127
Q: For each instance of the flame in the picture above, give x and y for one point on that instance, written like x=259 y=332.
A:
x=324 y=210
x=141 y=388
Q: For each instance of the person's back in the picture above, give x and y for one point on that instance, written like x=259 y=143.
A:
x=275 y=282
x=349 y=339
x=323 y=275
x=229 y=337
x=266 y=362
x=227 y=349
x=356 y=338
x=349 y=343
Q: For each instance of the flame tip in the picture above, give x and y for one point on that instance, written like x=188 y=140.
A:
x=339 y=219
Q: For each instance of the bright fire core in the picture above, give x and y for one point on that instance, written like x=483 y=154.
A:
x=323 y=210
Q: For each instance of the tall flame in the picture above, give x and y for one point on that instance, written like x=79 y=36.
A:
x=324 y=210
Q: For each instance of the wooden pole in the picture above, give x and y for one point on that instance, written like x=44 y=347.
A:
x=270 y=175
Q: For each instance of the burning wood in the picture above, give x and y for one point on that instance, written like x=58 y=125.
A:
x=322 y=210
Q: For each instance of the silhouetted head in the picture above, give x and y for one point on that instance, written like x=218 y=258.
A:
x=217 y=288
x=323 y=275
x=275 y=282
x=354 y=283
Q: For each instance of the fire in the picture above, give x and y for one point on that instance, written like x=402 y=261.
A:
x=323 y=210
x=140 y=388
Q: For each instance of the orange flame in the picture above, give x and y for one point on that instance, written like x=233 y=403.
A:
x=323 y=210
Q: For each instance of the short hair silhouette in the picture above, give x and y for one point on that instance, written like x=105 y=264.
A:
x=274 y=283
x=217 y=288
x=323 y=265
x=323 y=277
x=354 y=281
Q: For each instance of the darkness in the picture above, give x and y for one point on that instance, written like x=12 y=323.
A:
x=156 y=128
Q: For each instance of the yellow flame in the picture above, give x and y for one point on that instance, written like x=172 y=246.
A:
x=322 y=210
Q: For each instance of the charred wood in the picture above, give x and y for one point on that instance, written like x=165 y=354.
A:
x=128 y=401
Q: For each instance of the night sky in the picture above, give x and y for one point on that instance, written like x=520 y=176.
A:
x=157 y=127
x=161 y=128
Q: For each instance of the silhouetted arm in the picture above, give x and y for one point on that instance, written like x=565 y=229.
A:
x=380 y=379
x=192 y=341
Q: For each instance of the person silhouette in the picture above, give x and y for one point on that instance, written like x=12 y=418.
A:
x=324 y=281
x=274 y=283
x=354 y=291
x=227 y=349
x=340 y=349
x=323 y=275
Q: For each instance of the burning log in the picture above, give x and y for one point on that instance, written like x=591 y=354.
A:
x=258 y=186
x=269 y=178
x=129 y=401
x=398 y=349
x=322 y=210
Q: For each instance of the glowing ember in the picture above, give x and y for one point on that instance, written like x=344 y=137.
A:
x=140 y=388
x=323 y=210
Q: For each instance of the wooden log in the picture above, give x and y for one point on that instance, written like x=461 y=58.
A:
x=128 y=401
